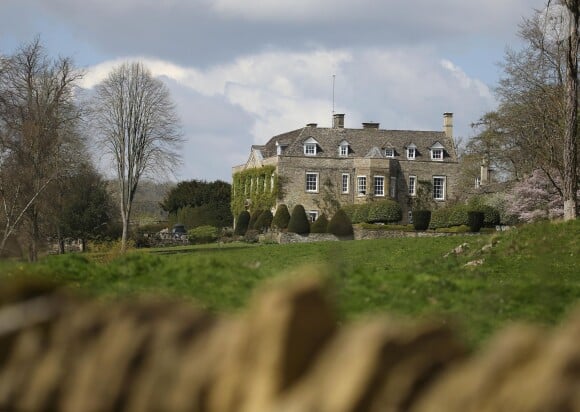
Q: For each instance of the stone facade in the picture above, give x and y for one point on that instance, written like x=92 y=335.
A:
x=313 y=163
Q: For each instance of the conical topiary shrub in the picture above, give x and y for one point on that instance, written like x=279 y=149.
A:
x=298 y=221
x=475 y=220
x=253 y=218
x=264 y=221
x=340 y=225
x=320 y=225
x=281 y=218
x=421 y=219
x=242 y=223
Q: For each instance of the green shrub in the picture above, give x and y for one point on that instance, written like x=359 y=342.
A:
x=254 y=218
x=361 y=213
x=439 y=218
x=491 y=216
x=340 y=225
x=384 y=211
x=203 y=234
x=298 y=221
x=454 y=229
x=475 y=220
x=281 y=218
x=458 y=215
x=350 y=211
x=320 y=225
x=264 y=221
x=242 y=223
x=374 y=226
x=421 y=219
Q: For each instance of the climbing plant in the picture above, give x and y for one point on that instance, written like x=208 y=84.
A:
x=259 y=186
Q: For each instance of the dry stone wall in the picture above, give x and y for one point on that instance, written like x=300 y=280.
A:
x=285 y=353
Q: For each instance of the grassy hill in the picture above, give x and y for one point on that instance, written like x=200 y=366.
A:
x=530 y=274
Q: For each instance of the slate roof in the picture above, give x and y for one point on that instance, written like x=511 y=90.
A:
x=362 y=142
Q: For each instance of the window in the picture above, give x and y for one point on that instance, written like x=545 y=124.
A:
x=343 y=150
x=362 y=185
x=412 y=185
x=312 y=215
x=310 y=149
x=390 y=153
x=345 y=182
x=477 y=182
x=393 y=187
x=439 y=187
x=379 y=185
x=437 y=154
x=411 y=153
x=312 y=182
x=410 y=216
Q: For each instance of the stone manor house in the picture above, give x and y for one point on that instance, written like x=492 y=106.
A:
x=358 y=164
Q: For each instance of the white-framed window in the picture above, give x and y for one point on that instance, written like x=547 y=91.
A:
x=412 y=185
x=393 y=187
x=345 y=183
x=312 y=182
x=361 y=185
x=312 y=215
x=343 y=150
x=439 y=187
x=411 y=153
x=437 y=154
x=310 y=149
x=379 y=185
x=390 y=153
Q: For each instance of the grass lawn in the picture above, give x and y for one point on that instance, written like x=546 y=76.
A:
x=532 y=274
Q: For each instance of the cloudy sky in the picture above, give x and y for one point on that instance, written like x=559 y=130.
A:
x=242 y=71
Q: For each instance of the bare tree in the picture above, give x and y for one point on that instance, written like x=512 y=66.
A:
x=37 y=119
x=138 y=127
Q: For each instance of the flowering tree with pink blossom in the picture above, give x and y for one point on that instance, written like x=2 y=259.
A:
x=535 y=198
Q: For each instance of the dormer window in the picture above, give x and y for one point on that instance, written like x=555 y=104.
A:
x=343 y=149
x=437 y=152
x=411 y=152
x=310 y=147
x=280 y=148
x=390 y=153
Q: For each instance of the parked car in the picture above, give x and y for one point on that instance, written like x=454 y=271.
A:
x=178 y=231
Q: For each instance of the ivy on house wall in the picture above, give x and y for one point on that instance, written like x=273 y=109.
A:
x=254 y=189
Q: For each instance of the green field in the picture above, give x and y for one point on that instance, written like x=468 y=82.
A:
x=531 y=273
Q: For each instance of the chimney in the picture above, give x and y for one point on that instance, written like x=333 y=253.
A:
x=312 y=125
x=338 y=121
x=370 y=125
x=448 y=124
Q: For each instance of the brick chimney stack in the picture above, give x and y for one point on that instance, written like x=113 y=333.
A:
x=448 y=124
x=338 y=121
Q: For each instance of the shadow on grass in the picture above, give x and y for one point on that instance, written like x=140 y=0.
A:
x=193 y=250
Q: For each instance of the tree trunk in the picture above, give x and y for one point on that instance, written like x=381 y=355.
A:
x=570 y=134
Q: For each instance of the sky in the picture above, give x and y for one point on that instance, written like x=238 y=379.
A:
x=242 y=71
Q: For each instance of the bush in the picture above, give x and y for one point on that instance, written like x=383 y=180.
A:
x=264 y=221
x=340 y=224
x=458 y=216
x=298 y=221
x=321 y=225
x=350 y=211
x=491 y=216
x=203 y=234
x=384 y=211
x=254 y=218
x=421 y=219
x=475 y=220
x=242 y=223
x=281 y=218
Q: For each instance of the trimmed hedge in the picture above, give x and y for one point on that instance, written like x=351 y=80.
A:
x=421 y=219
x=264 y=221
x=282 y=217
x=242 y=223
x=320 y=225
x=459 y=216
x=384 y=211
x=253 y=218
x=475 y=220
x=340 y=224
x=203 y=234
x=299 y=221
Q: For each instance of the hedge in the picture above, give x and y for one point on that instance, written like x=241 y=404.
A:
x=242 y=223
x=299 y=221
x=421 y=219
x=203 y=234
x=282 y=217
x=384 y=211
x=264 y=221
x=320 y=225
x=340 y=224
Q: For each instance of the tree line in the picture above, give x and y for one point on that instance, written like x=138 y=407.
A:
x=49 y=185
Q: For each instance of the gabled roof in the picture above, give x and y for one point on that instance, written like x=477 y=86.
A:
x=360 y=141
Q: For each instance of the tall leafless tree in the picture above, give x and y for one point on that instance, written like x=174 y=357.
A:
x=138 y=127
x=37 y=122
